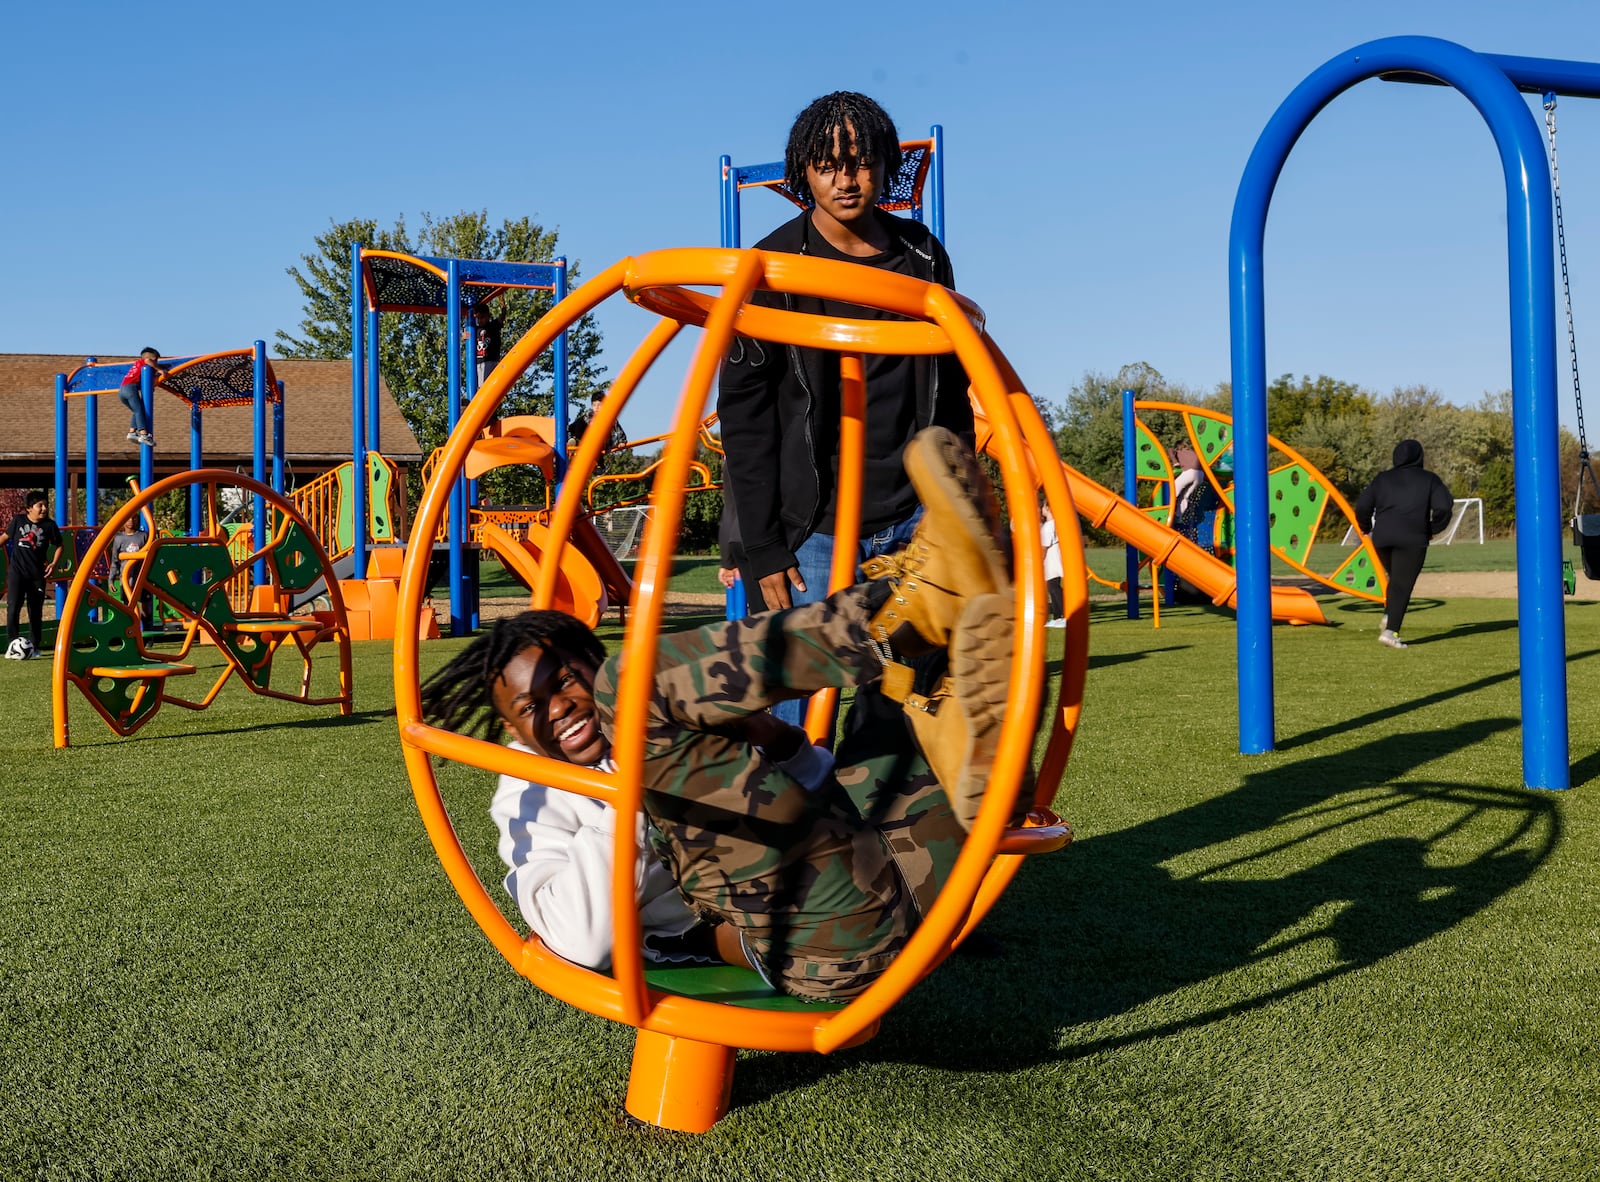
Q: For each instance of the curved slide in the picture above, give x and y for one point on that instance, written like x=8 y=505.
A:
x=1103 y=508
x=579 y=589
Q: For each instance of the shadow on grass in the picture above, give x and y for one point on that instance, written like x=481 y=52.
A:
x=1106 y=660
x=1373 y=717
x=1109 y=926
x=311 y=721
x=1586 y=769
x=1480 y=628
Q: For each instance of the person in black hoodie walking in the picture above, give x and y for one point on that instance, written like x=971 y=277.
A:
x=1400 y=510
x=779 y=405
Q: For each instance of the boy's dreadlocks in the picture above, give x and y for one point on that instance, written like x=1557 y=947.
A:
x=460 y=697
x=811 y=139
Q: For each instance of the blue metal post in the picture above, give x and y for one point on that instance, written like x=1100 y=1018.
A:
x=559 y=380
x=63 y=510
x=147 y=455
x=471 y=378
x=473 y=558
x=458 y=494
x=91 y=458
x=1130 y=493
x=935 y=184
x=258 y=451
x=725 y=234
x=197 y=493
x=277 y=442
x=374 y=390
x=730 y=203
x=358 y=404
x=1541 y=634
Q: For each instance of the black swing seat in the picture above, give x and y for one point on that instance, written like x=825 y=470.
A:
x=1586 y=537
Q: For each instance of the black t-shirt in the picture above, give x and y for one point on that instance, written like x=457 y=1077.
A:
x=489 y=344
x=886 y=493
x=30 y=542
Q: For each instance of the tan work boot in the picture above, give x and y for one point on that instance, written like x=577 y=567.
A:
x=958 y=726
x=952 y=555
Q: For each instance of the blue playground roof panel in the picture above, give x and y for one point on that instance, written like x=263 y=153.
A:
x=417 y=283
x=211 y=379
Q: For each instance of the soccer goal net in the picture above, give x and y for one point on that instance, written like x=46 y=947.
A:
x=622 y=529
x=1466 y=524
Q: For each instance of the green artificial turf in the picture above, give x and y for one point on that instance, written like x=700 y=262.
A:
x=230 y=951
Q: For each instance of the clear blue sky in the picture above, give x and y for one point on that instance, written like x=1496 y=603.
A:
x=168 y=162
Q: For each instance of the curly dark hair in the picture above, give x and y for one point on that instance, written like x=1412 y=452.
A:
x=865 y=133
x=460 y=697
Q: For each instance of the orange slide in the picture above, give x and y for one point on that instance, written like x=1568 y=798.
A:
x=1103 y=508
x=579 y=590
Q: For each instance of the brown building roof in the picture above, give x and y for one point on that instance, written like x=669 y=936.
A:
x=316 y=423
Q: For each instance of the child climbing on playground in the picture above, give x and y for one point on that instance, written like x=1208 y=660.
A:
x=35 y=545
x=131 y=395
x=490 y=331
x=813 y=875
x=778 y=406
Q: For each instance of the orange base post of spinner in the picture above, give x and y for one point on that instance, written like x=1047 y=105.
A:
x=678 y=1083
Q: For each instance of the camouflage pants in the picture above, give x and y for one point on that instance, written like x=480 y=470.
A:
x=825 y=886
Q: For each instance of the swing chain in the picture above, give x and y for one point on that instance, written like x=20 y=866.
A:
x=1566 y=283
x=1584 y=467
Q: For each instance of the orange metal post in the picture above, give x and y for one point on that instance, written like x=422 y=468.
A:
x=678 y=1083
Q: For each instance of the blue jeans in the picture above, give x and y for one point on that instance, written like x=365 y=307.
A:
x=133 y=398
x=815 y=560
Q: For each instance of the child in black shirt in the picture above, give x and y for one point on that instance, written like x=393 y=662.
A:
x=35 y=543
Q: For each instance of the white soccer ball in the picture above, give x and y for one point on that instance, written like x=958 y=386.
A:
x=20 y=649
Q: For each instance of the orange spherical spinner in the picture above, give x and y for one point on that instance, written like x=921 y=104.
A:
x=684 y=1057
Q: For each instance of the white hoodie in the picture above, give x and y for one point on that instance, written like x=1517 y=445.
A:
x=557 y=846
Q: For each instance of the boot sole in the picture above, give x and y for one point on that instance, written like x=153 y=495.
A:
x=946 y=475
x=980 y=673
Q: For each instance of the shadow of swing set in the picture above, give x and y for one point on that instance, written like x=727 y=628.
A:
x=238 y=603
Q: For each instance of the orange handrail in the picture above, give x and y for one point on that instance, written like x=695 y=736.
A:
x=319 y=502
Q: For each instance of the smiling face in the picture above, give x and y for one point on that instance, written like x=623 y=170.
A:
x=846 y=186
x=547 y=699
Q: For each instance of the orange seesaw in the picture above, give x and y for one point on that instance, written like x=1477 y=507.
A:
x=684 y=1055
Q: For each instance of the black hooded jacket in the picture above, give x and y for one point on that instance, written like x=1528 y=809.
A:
x=778 y=410
x=1406 y=505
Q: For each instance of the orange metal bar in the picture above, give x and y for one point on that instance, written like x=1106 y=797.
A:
x=413 y=587
x=1075 y=601
x=933 y=937
x=847 y=516
x=636 y=684
x=582 y=462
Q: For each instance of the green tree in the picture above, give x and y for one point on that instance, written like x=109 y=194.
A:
x=1289 y=402
x=413 y=355
x=1088 y=426
x=1340 y=445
